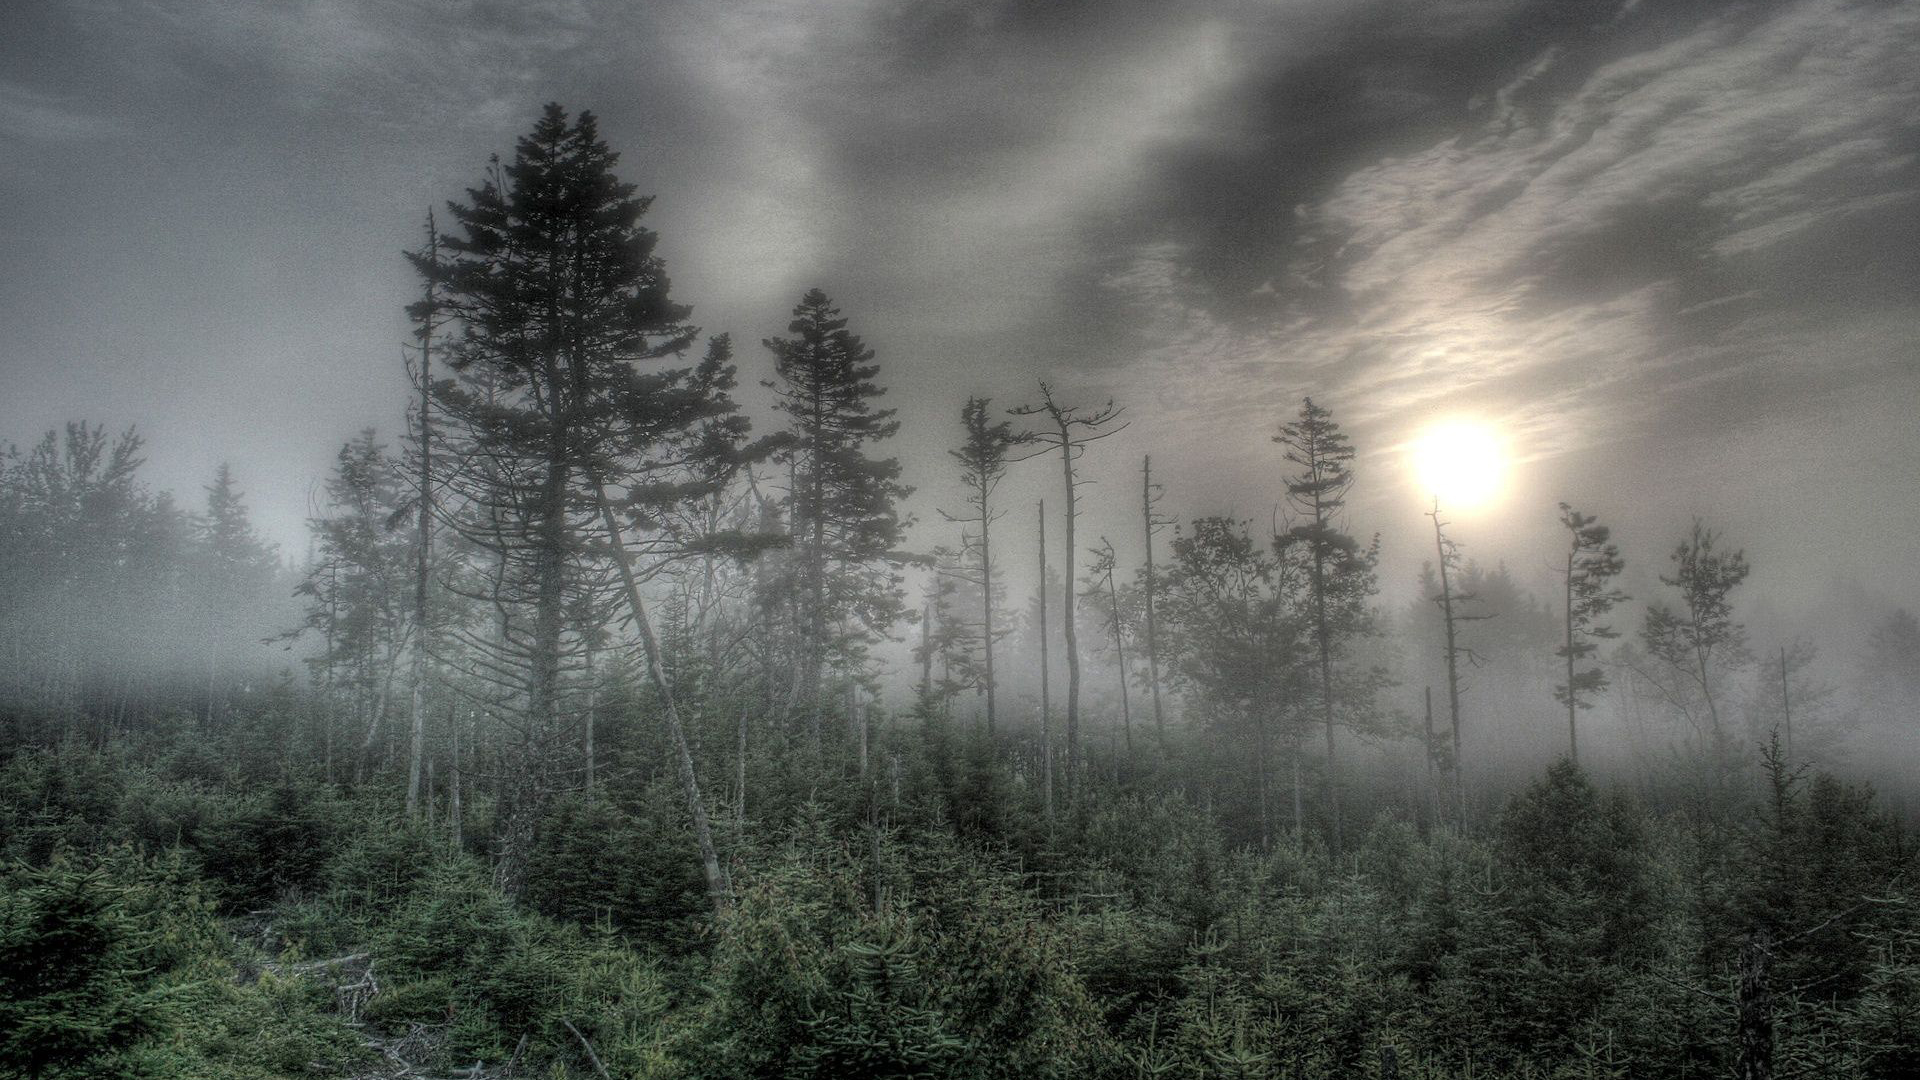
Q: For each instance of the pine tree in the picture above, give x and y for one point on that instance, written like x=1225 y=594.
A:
x=843 y=506
x=1340 y=570
x=235 y=569
x=1592 y=563
x=574 y=433
x=983 y=463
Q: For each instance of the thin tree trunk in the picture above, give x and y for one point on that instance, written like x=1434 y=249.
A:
x=453 y=782
x=1433 y=791
x=417 y=748
x=1755 y=1010
x=718 y=888
x=593 y=692
x=1786 y=705
x=1453 y=664
x=1074 y=752
x=1153 y=645
x=1326 y=699
x=1046 y=693
x=1299 y=798
x=1120 y=651
x=740 y=772
x=857 y=718
x=1573 y=700
x=986 y=607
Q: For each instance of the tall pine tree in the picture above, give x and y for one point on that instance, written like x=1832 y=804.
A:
x=576 y=426
x=843 y=506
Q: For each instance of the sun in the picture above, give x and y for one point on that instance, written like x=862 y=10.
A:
x=1462 y=464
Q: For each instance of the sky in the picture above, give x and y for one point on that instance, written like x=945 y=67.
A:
x=1668 y=251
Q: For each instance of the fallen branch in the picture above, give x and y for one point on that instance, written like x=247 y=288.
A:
x=588 y=1047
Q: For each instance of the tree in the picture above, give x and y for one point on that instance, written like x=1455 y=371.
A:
x=1447 y=559
x=1101 y=577
x=1238 y=623
x=569 y=442
x=1592 y=563
x=76 y=993
x=1071 y=430
x=983 y=463
x=1341 y=571
x=235 y=569
x=1890 y=668
x=1149 y=496
x=843 y=506
x=355 y=584
x=1697 y=640
x=428 y=316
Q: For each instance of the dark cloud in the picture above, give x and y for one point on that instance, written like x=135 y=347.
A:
x=1607 y=227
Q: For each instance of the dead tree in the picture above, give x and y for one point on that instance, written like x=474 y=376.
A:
x=1069 y=432
x=427 y=316
x=1149 y=496
x=1452 y=614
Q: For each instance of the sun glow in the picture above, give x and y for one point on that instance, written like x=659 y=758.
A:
x=1461 y=464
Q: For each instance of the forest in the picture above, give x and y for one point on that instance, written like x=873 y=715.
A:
x=607 y=727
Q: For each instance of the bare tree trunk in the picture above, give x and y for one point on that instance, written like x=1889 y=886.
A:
x=1074 y=751
x=1786 y=705
x=453 y=782
x=1120 y=652
x=1433 y=791
x=1755 y=1009
x=718 y=888
x=857 y=718
x=1153 y=645
x=986 y=612
x=1046 y=692
x=417 y=746
x=1573 y=698
x=740 y=772
x=593 y=693
x=1453 y=663
x=1299 y=798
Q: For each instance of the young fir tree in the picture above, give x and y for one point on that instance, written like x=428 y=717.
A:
x=844 y=504
x=983 y=463
x=1340 y=572
x=578 y=427
x=1592 y=563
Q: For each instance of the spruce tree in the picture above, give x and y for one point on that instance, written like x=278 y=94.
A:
x=577 y=426
x=843 y=506
x=236 y=567
x=1340 y=571
x=983 y=463
x=1592 y=563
